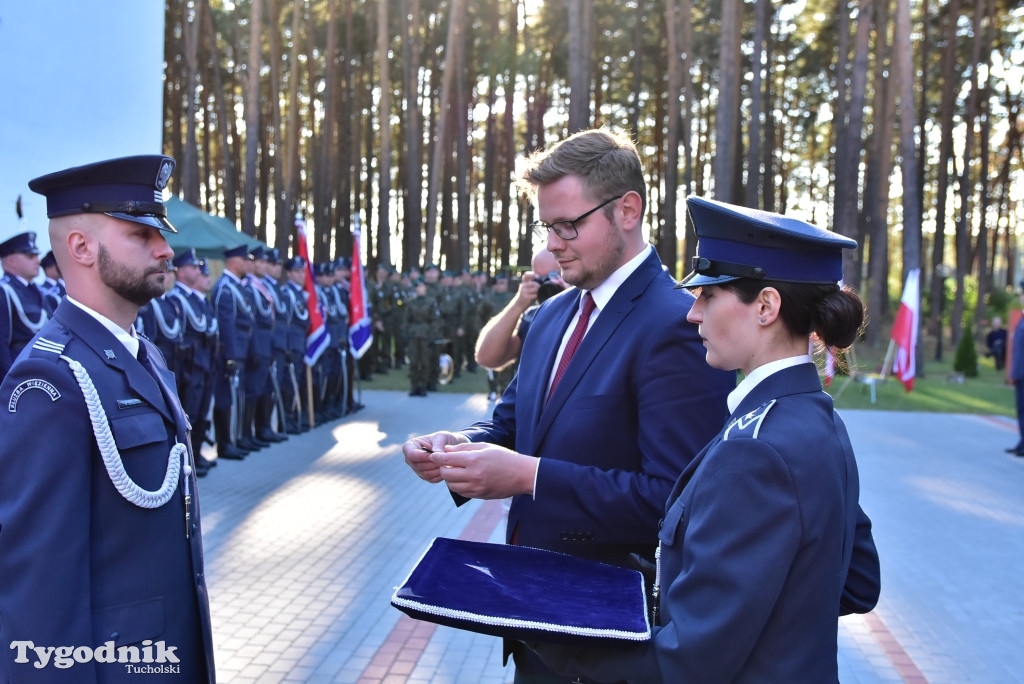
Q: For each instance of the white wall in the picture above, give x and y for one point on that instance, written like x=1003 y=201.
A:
x=80 y=81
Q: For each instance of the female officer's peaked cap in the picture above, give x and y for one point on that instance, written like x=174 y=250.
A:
x=736 y=242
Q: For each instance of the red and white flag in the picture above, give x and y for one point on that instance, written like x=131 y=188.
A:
x=317 y=337
x=904 y=330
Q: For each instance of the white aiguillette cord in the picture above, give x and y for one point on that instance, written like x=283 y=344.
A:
x=112 y=459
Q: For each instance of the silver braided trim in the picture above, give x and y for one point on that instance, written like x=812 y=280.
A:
x=112 y=459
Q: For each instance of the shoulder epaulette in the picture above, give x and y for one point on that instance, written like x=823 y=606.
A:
x=748 y=425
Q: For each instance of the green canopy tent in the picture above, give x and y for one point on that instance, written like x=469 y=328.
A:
x=209 y=235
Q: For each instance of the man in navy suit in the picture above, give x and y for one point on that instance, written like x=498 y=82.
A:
x=590 y=457
x=100 y=543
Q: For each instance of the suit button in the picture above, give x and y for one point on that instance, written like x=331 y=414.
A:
x=564 y=536
x=114 y=636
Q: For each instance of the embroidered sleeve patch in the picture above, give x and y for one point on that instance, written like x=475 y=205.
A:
x=35 y=383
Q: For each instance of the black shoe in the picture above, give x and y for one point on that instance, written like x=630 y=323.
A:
x=250 y=444
x=1013 y=450
x=270 y=436
x=202 y=462
x=230 y=452
x=201 y=472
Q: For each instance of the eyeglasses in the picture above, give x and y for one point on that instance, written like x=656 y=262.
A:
x=567 y=230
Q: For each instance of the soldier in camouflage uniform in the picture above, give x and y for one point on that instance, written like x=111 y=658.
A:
x=453 y=316
x=423 y=315
x=383 y=307
x=431 y=277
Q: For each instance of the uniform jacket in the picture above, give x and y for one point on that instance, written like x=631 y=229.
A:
x=235 y=318
x=19 y=320
x=635 y=405
x=763 y=546
x=80 y=564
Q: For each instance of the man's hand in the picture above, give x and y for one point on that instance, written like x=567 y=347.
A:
x=485 y=471
x=419 y=449
x=528 y=289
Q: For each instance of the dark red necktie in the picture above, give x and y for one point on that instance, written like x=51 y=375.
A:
x=574 y=341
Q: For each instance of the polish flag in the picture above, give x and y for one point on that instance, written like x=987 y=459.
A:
x=360 y=326
x=904 y=330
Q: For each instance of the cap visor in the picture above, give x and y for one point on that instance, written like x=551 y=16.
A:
x=695 y=279
x=158 y=222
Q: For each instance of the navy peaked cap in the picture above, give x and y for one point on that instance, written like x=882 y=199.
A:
x=735 y=242
x=22 y=243
x=127 y=188
x=239 y=251
x=272 y=254
x=294 y=263
x=204 y=267
x=186 y=258
x=48 y=260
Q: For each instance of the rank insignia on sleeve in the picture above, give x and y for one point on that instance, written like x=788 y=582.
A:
x=35 y=383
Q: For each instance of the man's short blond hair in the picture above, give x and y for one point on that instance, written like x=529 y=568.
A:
x=607 y=163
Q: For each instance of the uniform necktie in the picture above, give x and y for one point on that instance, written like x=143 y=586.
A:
x=574 y=341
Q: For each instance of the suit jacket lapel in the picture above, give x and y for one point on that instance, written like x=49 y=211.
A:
x=608 y=321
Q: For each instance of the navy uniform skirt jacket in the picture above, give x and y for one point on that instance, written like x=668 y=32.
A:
x=763 y=546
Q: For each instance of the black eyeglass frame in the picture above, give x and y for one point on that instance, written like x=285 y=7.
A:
x=542 y=228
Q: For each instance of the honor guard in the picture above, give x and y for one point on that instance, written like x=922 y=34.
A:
x=258 y=385
x=199 y=344
x=294 y=386
x=278 y=367
x=23 y=311
x=328 y=368
x=352 y=366
x=235 y=320
x=160 y=320
x=53 y=285
x=101 y=544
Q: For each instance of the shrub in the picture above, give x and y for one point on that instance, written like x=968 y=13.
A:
x=966 y=360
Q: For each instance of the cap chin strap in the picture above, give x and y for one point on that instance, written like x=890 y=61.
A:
x=112 y=459
x=714 y=268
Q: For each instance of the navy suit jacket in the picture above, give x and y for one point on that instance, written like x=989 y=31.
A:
x=764 y=545
x=81 y=565
x=635 y=405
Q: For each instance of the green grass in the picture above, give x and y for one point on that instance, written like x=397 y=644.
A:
x=935 y=390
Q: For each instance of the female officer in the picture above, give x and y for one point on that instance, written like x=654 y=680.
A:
x=763 y=543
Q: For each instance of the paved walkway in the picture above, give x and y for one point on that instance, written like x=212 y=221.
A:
x=306 y=540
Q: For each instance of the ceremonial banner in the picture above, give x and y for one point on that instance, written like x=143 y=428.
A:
x=360 y=328
x=317 y=336
x=904 y=330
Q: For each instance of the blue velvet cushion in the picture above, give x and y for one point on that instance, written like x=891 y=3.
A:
x=522 y=593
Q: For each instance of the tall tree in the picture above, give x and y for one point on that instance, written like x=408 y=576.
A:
x=252 y=117
x=728 y=110
x=384 y=109
x=667 y=245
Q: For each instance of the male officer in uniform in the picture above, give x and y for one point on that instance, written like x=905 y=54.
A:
x=22 y=308
x=258 y=386
x=271 y=280
x=235 y=320
x=294 y=387
x=199 y=338
x=53 y=285
x=101 y=546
